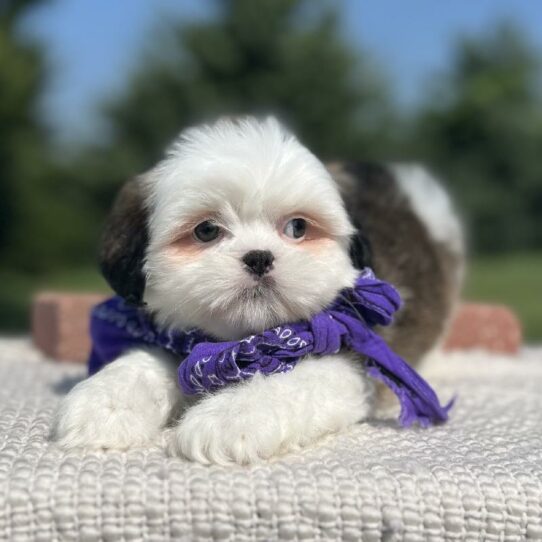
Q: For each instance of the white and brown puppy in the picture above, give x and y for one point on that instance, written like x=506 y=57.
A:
x=241 y=228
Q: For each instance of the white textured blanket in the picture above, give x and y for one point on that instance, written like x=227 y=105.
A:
x=477 y=478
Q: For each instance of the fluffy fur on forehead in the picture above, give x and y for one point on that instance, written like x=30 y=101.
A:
x=255 y=168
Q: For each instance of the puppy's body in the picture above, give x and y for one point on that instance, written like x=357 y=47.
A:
x=256 y=185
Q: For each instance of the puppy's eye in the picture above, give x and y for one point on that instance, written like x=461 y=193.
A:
x=206 y=231
x=296 y=228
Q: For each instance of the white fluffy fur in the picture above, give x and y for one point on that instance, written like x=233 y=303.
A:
x=268 y=416
x=430 y=201
x=126 y=404
x=248 y=175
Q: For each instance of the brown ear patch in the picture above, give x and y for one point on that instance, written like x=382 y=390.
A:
x=124 y=243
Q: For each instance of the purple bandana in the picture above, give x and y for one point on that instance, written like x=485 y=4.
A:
x=206 y=365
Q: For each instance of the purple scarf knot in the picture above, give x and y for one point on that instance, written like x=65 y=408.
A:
x=207 y=365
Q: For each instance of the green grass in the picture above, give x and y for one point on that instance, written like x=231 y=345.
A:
x=514 y=280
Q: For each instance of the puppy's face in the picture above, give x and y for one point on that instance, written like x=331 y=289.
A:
x=246 y=230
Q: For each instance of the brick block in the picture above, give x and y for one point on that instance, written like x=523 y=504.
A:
x=60 y=323
x=492 y=327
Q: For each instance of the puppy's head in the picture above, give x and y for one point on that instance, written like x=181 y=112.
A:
x=238 y=229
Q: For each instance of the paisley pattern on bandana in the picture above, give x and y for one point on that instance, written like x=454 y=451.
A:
x=207 y=365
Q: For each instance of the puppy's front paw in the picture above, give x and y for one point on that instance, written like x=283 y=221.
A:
x=114 y=409
x=272 y=415
x=99 y=421
x=228 y=428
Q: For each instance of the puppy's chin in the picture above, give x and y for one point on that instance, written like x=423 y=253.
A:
x=251 y=311
x=262 y=307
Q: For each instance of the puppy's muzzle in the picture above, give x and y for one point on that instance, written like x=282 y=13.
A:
x=258 y=262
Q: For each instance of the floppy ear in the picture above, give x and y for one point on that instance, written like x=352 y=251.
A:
x=360 y=249
x=360 y=246
x=124 y=243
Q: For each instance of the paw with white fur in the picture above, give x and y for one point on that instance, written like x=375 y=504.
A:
x=269 y=416
x=219 y=430
x=125 y=405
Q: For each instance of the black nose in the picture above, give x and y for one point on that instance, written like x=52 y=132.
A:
x=258 y=262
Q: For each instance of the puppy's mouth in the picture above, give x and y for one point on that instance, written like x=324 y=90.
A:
x=263 y=287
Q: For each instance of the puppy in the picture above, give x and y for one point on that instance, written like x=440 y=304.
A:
x=239 y=229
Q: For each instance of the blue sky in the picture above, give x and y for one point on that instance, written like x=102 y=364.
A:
x=93 y=44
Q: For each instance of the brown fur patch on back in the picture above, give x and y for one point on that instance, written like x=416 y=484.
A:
x=403 y=253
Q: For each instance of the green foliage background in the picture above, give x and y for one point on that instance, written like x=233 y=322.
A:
x=480 y=128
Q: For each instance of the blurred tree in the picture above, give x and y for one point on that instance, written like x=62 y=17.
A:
x=20 y=82
x=42 y=220
x=483 y=129
x=281 y=56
